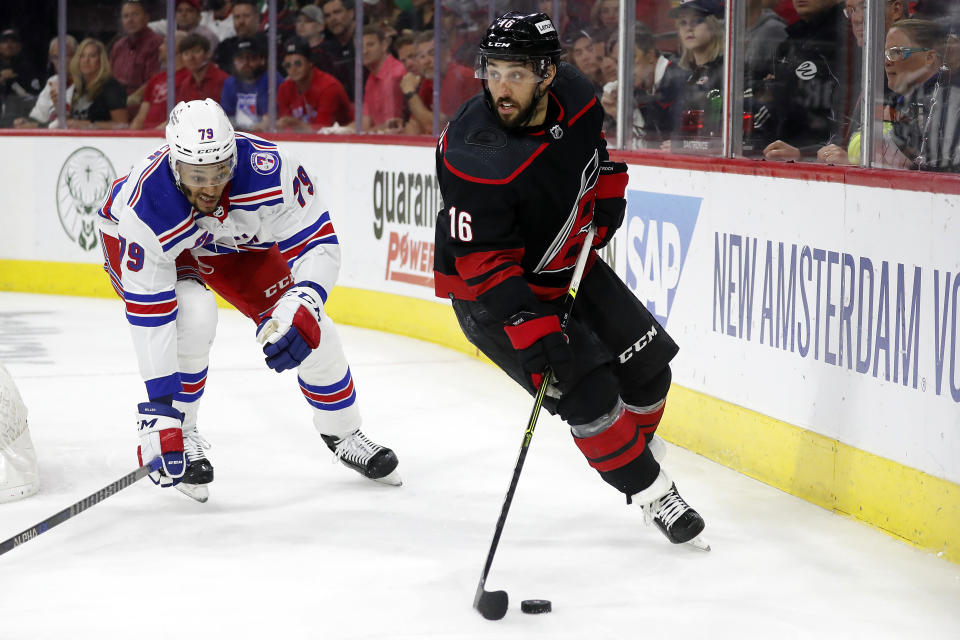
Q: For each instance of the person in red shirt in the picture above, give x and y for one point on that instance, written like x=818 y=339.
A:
x=309 y=98
x=153 y=108
x=457 y=85
x=206 y=78
x=382 y=101
x=133 y=58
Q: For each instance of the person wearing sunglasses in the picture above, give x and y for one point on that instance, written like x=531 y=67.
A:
x=309 y=98
x=926 y=117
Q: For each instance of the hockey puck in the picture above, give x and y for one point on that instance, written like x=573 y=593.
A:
x=536 y=606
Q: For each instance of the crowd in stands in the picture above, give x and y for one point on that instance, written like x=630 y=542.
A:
x=801 y=73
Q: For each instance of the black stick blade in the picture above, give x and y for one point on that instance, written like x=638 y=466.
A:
x=492 y=605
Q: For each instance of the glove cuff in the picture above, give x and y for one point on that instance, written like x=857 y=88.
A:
x=612 y=181
x=523 y=329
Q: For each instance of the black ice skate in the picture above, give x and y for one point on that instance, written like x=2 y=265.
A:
x=677 y=520
x=199 y=471
x=365 y=456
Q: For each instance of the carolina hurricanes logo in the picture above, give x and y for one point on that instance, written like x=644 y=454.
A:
x=807 y=70
x=264 y=162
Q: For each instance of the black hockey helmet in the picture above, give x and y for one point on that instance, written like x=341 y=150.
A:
x=520 y=36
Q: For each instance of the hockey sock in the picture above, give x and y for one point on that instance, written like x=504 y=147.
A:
x=618 y=452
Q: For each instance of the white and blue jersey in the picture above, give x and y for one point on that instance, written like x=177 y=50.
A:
x=271 y=200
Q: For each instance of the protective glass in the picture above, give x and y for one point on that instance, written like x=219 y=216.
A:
x=896 y=54
x=199 y=176
x=509 y=71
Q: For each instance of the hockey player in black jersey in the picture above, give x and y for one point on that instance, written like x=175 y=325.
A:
x=524 y=172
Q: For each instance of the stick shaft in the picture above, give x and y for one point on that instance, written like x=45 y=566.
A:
x=74 y=509
x=534 y=414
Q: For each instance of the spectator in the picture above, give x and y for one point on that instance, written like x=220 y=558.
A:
x=152 y=113
x=44 y=112
x=98 y=101
x=206 y=78
x=765 y=32
x=246 y=97
x=700 y=31
x=658 y=84
x=309 y=98
x=310 y=28
x=339 y=16
x=383 y=105
x=853 y=9
x=586 y=54
x=187 y=16
x=419 y=17
x=811 y=90
x=605 y=16
x=656 y=15
x=246 y=25
x=218 y=19
x=133 y=57
x=406 y=48
x=566 y=24
x=19 y=81
x=457 y=84
x=926 y=121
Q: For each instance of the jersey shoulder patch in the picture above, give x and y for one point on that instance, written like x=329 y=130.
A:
x=476 y=148
x=256 y=182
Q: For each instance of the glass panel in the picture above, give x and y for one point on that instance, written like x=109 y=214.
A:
x=27 y=70
x=244 y=54
x=462 y=25
x=917 y=101
x=316 y=57
x=96 y=85
x=808 y=105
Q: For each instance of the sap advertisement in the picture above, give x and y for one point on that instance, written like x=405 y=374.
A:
x=831 y=307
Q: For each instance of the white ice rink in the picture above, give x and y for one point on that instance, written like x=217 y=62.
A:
x=293 y=546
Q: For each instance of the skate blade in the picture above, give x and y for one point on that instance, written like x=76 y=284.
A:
x=699 y=543
x=199 y=492
x=392 y=479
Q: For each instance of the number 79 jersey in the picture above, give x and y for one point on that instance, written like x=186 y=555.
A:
x=271 y=201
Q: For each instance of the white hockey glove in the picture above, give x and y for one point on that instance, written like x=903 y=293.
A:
x=161 y=442
x=292 y=330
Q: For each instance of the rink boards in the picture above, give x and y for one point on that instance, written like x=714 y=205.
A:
x=817 y=311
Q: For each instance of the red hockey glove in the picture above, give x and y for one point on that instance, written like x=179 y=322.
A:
x=541 y=344
x=610 y=205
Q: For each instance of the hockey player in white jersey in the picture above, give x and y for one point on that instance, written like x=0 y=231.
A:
x=235 y=213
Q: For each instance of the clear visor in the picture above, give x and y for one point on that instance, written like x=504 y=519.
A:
x=206 y=175
x=510 y=71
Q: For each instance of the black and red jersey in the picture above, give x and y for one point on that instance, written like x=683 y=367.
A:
x=517 y=204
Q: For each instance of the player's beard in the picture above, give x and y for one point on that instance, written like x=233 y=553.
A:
x=519 y=119
x=205 y=205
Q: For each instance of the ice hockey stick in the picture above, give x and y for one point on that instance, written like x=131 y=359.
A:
x=74 y=509
x=492 y=605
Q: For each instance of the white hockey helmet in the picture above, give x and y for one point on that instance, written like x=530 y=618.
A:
x=203 y=147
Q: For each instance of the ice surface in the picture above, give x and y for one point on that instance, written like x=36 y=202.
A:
x=291 y=545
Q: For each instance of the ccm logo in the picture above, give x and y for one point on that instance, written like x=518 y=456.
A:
x=274 y=288
x=637 y=346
